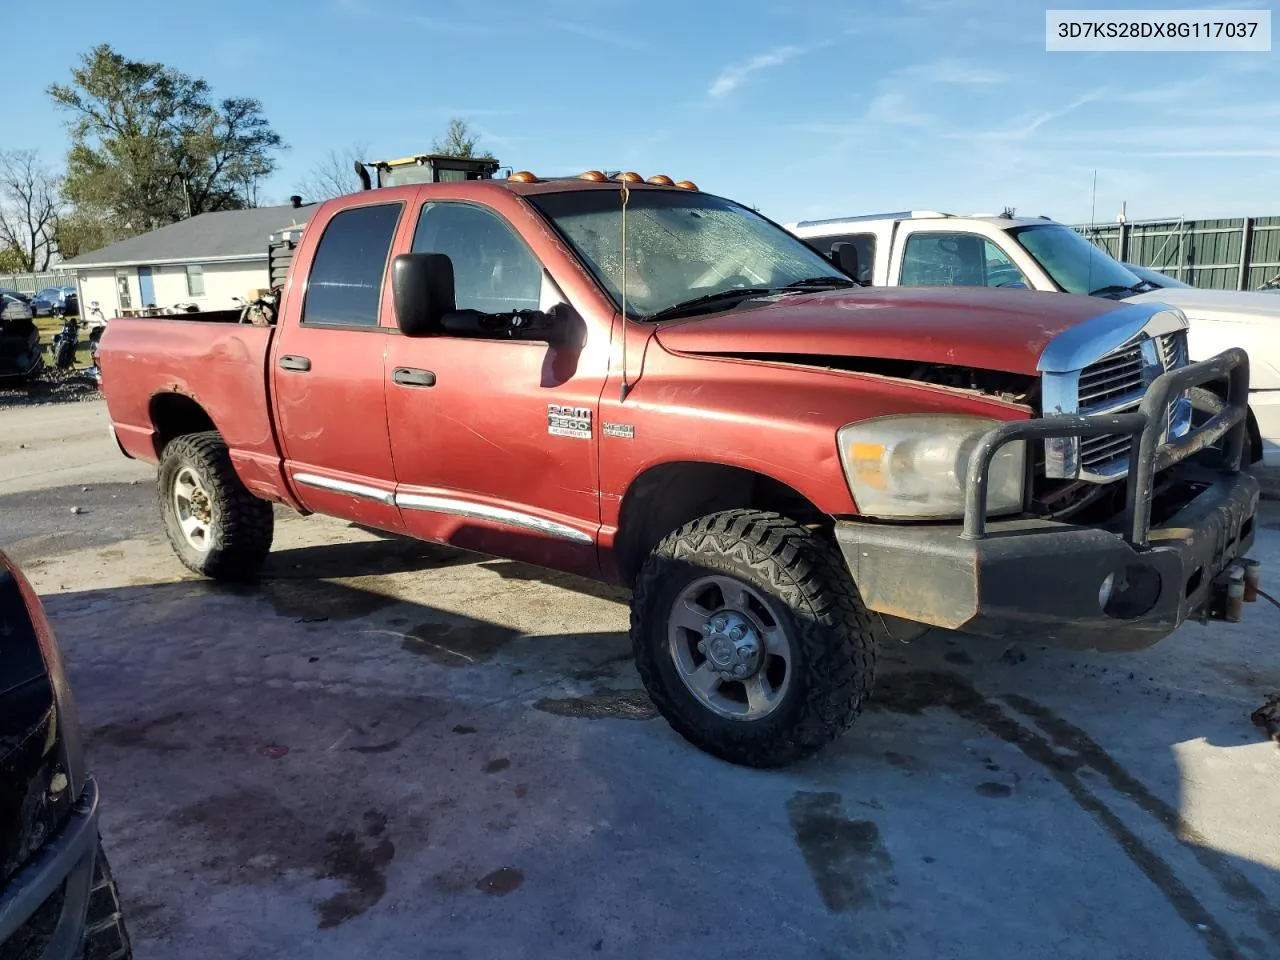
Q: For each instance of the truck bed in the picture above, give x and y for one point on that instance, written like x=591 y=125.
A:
x=211 y=316
x=153 y=367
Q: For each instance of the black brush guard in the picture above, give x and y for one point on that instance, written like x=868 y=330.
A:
x=1148 y=456
x=1052 y=582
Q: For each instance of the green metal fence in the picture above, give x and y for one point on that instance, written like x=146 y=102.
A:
x=31 y=282
x=1235 y=254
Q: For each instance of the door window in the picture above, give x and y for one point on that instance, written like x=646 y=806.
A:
x=122 y=291
x=957 y=259
x=345 y=285
x=864 y=243
x=493 y=271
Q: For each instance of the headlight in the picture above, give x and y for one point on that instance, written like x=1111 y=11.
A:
x=913 y=466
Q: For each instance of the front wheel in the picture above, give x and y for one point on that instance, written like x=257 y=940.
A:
x=751 y=638
x=214 y=524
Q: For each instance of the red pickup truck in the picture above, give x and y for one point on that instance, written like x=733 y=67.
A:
x=646 y=384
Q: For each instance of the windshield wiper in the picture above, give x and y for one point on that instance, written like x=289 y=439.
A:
x=707 y=300
x=819 y=282
x=1116 y=288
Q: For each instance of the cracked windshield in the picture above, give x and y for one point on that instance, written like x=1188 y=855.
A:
x=681 y=247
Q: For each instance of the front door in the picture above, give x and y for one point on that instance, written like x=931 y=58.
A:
x=327 y=369
x=122 y=291
x=495 y=440
x=146 y=288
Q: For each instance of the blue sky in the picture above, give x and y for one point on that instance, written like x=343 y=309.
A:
x=827 y=108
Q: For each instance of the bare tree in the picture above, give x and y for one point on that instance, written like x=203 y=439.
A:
x=459 y=141
x=335 y=175
x=29 y=206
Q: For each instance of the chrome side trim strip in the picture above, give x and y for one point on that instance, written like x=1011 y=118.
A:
x=346 y=486
x=480 y=511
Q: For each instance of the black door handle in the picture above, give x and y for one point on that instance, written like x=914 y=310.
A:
x=409 y=377
x=289 y=362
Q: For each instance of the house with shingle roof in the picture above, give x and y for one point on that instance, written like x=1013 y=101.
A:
x=207 y=260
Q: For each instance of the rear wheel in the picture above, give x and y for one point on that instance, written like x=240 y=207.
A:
x=214 y=524
x=751 y=638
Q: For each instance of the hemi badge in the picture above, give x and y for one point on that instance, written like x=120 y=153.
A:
x=625 y=431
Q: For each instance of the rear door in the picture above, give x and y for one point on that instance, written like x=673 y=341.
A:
x=495 y=440
x=327 y=364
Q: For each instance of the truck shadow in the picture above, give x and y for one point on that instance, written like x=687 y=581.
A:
x=389 y=554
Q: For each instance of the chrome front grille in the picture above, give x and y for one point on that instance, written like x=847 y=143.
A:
x=1114 y=382
x=1111 y=379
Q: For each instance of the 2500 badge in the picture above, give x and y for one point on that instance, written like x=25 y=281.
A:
x=563 y=421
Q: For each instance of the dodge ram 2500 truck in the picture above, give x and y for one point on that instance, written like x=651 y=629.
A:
x=652 y=386
x=927 y=248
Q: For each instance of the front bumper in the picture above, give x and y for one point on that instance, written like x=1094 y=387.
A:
x=1040 y=580
x=66 y=859
x=1048 y=581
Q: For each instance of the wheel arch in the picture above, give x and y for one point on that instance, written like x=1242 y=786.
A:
x=175 y=415
x=668 y=495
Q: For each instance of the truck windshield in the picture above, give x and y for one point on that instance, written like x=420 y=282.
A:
x=682 y=247
x=1075 y=264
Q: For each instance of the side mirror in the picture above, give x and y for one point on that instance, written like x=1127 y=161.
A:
x=422 y=289
x=845 y=256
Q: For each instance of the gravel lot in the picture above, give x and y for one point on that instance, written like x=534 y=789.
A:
x=392 y=749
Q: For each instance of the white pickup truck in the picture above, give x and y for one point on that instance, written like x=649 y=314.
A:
x=926 y=248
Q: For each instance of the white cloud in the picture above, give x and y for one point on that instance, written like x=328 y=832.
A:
x=952 y=71
x=895 y=107
x=735 y=75
x=600 y=35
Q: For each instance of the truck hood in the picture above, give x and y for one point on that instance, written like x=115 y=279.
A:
x=1230 y=306
x=1003 y=330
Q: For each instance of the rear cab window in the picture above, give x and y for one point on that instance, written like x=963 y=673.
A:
x=864 y=243
x=344 y=288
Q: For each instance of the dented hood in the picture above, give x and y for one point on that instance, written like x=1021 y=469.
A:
x=1003 y=330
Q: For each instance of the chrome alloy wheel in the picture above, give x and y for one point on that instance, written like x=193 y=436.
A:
x=194 y=508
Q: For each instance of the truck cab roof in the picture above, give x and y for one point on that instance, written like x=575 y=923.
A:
x=803 y=228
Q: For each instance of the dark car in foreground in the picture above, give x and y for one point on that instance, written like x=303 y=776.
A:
x=58 y=900
x=20 y=353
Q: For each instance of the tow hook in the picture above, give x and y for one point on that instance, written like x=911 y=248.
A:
x=1233 y=588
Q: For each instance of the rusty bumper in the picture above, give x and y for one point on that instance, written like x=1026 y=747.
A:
x=1037 y=580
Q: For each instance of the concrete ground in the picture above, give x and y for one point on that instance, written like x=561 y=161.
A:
x=389 y=749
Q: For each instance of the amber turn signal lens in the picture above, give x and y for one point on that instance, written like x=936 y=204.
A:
x=524 y=176
x=594 y=175
x=662 y=180
x=687 y=184
x=630 y=177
